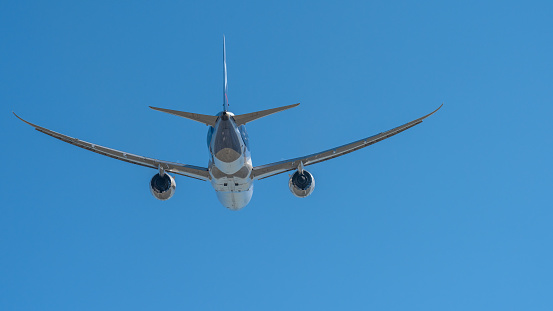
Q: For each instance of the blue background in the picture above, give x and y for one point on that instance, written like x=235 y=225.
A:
x=454 y=214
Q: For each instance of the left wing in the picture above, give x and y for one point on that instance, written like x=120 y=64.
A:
x=176 y=168
x=264 y=171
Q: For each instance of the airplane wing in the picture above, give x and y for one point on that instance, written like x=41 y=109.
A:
x=268 y=170
x=176 y=168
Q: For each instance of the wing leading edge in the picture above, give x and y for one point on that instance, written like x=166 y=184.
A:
x=268 y=170
x=176 y=168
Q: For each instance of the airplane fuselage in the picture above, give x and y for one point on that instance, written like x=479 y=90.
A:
x=230 y=162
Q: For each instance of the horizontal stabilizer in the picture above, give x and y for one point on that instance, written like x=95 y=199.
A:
x=202 y=118
x=248 y=117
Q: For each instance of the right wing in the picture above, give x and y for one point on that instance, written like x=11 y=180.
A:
x=264 y=171
x=176 y=168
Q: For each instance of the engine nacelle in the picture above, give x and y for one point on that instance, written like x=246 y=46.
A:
x=164 y=187
x=301 y=184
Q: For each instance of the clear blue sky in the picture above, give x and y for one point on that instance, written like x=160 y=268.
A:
x=454 y=214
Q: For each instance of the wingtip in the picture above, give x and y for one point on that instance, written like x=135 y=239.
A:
x=433 y=112
x=20 y=118
x=15 y=114
x=438 y=108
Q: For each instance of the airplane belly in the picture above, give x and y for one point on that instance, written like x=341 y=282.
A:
x=229 y=167
x=235 y=200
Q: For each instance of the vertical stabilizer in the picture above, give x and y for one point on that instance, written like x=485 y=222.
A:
x=225 y=85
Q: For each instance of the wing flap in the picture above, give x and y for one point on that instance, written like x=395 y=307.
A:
x=264 y=171
x=176 y=168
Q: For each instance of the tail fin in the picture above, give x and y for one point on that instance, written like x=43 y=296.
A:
x=248 y=117
x=225 y=85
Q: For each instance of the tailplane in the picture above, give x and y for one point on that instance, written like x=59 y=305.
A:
x=248 y=117
x=202 y=118
x=240 y=119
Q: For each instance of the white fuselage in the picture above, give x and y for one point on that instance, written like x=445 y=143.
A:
x=230 y=162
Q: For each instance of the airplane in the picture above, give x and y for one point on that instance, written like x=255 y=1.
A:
x=230 y=169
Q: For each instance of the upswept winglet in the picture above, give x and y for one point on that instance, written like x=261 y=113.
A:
x=176 y=168
x=268 y=170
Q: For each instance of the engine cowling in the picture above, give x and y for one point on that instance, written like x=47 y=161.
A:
x=163 y=187
x=301 y=184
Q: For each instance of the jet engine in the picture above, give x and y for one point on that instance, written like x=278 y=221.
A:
x=301 y=183
x=163 y=186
